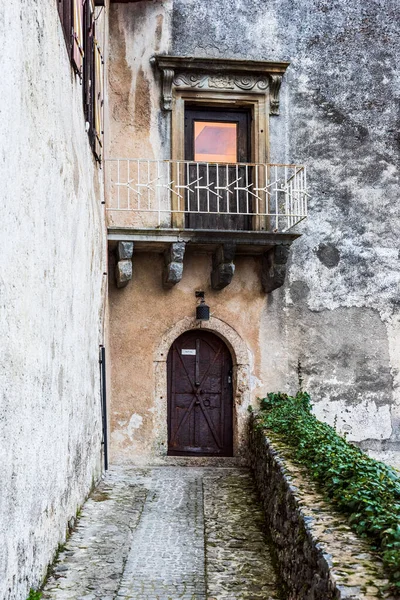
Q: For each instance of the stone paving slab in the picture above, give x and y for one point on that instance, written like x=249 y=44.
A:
x=168 y=533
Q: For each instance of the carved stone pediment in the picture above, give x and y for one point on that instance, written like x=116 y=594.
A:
x=220 y=74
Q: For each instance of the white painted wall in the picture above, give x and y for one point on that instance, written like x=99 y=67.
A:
x=52 y=257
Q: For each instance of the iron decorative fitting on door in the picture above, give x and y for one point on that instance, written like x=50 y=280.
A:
x=202 y=309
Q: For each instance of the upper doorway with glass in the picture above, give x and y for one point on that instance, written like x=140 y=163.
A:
x=217 y=144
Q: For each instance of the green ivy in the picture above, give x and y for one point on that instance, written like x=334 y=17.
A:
x=34 y=595
x=366 y=490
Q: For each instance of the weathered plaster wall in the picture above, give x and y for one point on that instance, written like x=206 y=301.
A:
x=338 y=312
x=51 y=264
x=142 y=315
x=339 y=116
x=137 y=127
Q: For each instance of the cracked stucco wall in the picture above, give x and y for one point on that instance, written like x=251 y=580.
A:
x=51 y=271
x=338 y=312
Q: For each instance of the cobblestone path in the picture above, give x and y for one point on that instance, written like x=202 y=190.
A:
x=167 y=533
x=237 y=557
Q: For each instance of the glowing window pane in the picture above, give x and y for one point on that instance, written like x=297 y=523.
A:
x=215 y=142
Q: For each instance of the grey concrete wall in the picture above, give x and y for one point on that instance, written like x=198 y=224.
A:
x=51 y=277
x=338 y=313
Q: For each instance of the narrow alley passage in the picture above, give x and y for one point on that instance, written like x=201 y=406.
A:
x=168 y=533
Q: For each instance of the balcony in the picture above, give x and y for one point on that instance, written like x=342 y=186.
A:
x=248 y=207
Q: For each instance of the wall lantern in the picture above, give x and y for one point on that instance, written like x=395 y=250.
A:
x=202 y=309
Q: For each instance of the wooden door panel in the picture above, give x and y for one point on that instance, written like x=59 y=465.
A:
x=199 y=396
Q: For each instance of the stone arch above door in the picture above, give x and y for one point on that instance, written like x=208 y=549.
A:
x=241 y=378
x=235 y=343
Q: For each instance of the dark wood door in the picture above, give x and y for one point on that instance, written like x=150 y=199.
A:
x=199 y=396
x=216 y=141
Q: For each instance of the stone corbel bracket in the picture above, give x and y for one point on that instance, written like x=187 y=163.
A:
x=167 y=80
x=173 y=264
x=275 y=82
x=252 y=76
x=274 y=267
x=123 y=268
x=223 y=266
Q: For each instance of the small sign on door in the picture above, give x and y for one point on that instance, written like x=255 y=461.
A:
x=188 y=352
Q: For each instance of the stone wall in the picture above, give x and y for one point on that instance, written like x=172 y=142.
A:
x=318 y=556
x=338 y=312
x=52 y=259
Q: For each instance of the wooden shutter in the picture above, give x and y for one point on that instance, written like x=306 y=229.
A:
x=77 y=42
x=88 y=84
x=98 y=95
x=60 y=6
x=64 y=10
x=93 y=82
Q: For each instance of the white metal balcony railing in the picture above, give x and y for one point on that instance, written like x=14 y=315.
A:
x=166 y=193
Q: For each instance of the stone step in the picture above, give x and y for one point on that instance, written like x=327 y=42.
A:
x=197 y=461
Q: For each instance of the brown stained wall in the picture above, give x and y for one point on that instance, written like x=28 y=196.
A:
x=137 y=32
x=140 y=316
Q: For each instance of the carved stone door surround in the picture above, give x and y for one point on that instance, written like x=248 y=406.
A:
x=253 y=85
x=220 y=74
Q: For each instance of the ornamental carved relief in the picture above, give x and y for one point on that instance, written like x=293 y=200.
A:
x=190 y=80
x=220 y=74
x=249 y=83
x=220 y=81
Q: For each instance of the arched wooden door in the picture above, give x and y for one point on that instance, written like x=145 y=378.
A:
x=200 y=400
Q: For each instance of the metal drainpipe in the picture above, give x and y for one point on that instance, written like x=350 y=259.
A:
x=103 y=391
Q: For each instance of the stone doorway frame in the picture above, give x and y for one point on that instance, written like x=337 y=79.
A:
x=240 y=374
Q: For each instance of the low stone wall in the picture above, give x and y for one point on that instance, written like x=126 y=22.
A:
x=318 y=555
